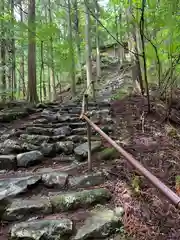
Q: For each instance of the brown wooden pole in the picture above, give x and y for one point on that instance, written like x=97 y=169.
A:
x=174 y=198
x=88 y=137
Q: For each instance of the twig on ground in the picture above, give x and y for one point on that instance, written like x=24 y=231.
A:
x=142 y=121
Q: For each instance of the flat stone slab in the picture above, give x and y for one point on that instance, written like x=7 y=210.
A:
x=101 y=224
x=79 y=131
x=81 y=151
x=55 y=179
x=11 y=187
x=77 y=138
x=87 y=180
x=42 y=230
x=39 y=130
x=21 y=209
x=75 y=200
x=34 y=138
x=29 y=158
x=64 y=159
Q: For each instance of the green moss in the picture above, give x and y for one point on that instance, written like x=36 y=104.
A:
x=108 y=154
x=75 y=200
x=171 y=131
x=125 y=90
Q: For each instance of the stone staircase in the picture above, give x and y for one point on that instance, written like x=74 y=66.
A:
x=44 y=192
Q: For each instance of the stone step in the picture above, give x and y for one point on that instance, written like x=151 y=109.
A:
x=55 y=125
x=15 y=154
x=24 y=209
x=75 y=200
x=100 y=223
x=12 y=187
x=42 y=229
x=57 y=117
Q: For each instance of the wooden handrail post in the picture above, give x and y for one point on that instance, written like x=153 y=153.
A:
x=88 y=137
x=93 y=90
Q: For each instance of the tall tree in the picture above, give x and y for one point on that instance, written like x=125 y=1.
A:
x=32 y=90
x=53 y=80
x=78 y=37
x=71 y=51
x=98 y=59
x=22 y=70
x=3 y=52
x=88 y=47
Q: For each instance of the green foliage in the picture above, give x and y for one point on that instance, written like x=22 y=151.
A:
x=162 y=24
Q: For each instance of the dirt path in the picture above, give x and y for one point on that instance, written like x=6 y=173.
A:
x=43 y=165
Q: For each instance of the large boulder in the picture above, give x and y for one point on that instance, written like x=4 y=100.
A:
x=60 y=229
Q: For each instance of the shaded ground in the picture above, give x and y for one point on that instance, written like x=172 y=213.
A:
x=151 y=217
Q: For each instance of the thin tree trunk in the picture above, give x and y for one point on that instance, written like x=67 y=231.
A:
x=138 y=66
x=98 y=60
x=13 y=70
x=3 y=53
x=78 y=39
x=22 y=59
x=88 y=48
x=71 y=52
x=144 y=54
x=53 y=81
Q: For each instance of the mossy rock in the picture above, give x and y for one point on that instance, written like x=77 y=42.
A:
x=171 y=131
x=8 y=115
x=108 y=154
x=125 y=90
x=75 y=200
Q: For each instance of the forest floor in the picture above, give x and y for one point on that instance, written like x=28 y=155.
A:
x=147 y=214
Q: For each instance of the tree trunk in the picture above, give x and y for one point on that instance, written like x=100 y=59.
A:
x=144 y=54
x=78 y=39
x=98 y=60
x=53 y=80
x=32 y=89
x=3 y=53
x=13 y=70
x=88 y=48
x=71 y=52
x=22 y=60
